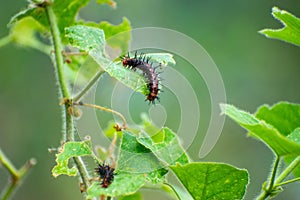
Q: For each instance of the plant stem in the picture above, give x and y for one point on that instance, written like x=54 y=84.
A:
x=288 y=170
x=68 y=134
x=8 y=165
x=59 y=61
x=287 y=182
x=5 y=40
x=82 y=171
x=266 y=192
x=16 y=175
x=88 y=86
x=273 y=173
x=278 y=182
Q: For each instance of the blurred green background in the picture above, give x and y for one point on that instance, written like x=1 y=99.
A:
x=255 y=71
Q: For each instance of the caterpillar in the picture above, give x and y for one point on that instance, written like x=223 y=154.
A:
x=142 y=63
x=106 y=174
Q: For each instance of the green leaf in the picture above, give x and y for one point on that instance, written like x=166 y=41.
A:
x=134 y=158
x=284 y=116
x=167 y=148
x=69 y=150
x=294 y=136
x=24 y=32
x=65 y=12
x=163 y=58
x=212 y=180
x=91 y=40
x=123 y=184
x=260 y=129
x=291 y=30
x=115 y=35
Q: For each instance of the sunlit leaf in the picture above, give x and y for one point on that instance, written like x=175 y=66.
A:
x=291 y=30
x=167 y=148
x=69 y=150
x=284 y=116
x=115 y=35
x=261 y=129
x=212 y=180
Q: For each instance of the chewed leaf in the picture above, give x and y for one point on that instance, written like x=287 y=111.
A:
x=117 y=36
x=92 y=40
x=89 y=39
x=291 y=30
x=163 y=58
x=263 y=130
x=136 y=159
x=168 y=149
x=69 y=150
x=212 y=180
x=123 y=184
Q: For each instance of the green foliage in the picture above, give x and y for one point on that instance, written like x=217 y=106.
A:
x=123 y=184
x=291 y=30
x=212 y=180
x=167 y=148
x=24 y=32
x=69 y=150
x=146 y=153
x=65 y=12
x=136 y=158
x=91 y=40
x=116 y=35
x=266 y=127
x=278 y=127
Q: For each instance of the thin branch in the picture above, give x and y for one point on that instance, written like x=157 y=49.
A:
x=278 y=182
x=288 y=170
x=16 y=175
x=82 y=171
x=273 y=174
x=88 y=86
x=287 y=182
x=124 y=126
x=268 y=191
x=5 y=40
